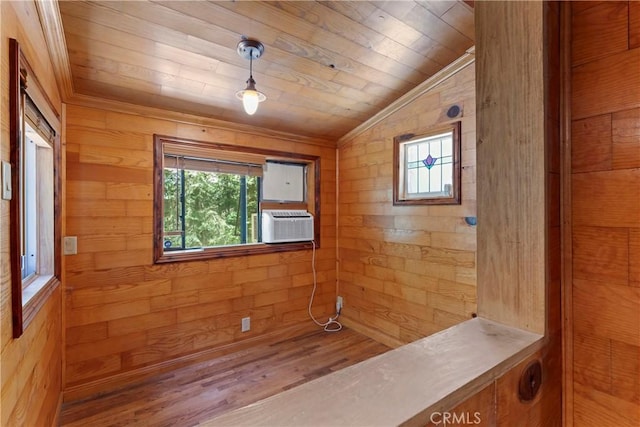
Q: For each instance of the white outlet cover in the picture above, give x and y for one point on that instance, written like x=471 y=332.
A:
x=246 y=324
x=6 y=181
x=70 y=245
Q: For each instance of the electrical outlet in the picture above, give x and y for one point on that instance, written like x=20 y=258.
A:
x=338 y=304
x=246 y=324
x=70 y=245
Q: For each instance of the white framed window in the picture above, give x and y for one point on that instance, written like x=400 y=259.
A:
x=427 y=167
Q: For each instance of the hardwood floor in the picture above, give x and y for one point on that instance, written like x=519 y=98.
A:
x=202 y=391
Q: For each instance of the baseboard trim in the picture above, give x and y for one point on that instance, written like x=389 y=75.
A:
x=109 y=384
x=371 y=333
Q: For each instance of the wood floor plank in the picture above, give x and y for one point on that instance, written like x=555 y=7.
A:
x=199 y=392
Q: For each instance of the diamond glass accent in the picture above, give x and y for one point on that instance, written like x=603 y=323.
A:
x=429 y=161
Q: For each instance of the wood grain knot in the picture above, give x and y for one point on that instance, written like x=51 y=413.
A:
x=530 y=381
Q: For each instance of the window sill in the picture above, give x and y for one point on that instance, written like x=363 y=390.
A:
x=35 y=296
x=401 y=386
x=232 y=251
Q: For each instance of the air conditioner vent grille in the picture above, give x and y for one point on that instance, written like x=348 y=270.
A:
x=280 y=226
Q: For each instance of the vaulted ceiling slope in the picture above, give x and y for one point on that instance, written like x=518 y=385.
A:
x=328 y=66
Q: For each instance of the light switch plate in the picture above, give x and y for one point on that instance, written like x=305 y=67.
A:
x=70 y=245
x=6 y=181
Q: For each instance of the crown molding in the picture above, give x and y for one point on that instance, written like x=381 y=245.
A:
x=51 y=23
x=447 y=72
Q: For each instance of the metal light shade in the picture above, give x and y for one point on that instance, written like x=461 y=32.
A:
x=250 y=97
x=250 y=49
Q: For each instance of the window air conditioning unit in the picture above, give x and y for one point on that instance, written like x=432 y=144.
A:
x=280 y=226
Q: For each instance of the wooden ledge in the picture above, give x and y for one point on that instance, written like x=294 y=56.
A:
x=402 y=386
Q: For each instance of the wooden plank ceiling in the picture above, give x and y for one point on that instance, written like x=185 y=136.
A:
x=328 y=66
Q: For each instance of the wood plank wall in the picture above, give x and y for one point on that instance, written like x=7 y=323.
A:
x=511 y=155
x=498 y=403
x=406 y=272
x=605 y=162
x=122 y=312
x=31 y=366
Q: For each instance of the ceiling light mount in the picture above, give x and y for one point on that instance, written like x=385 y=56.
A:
x=250 y=49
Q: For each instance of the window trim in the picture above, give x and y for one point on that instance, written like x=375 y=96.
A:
x=159 y=255
x=399 y=180
x=23 y=309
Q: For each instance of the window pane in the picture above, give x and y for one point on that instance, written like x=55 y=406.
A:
x=436 y=180
x=447 y=173
x=172 y=209
x=447 y=146
x=435 y=148
x=212 y=209
x=30 y=238
x=36 y=206
x=423 y=175
x=220 y=209
x=423 y=151
x=172 y=200
x=412 y=181
x=412 y=153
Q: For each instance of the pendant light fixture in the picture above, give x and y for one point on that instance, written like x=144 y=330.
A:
x=250 y=97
